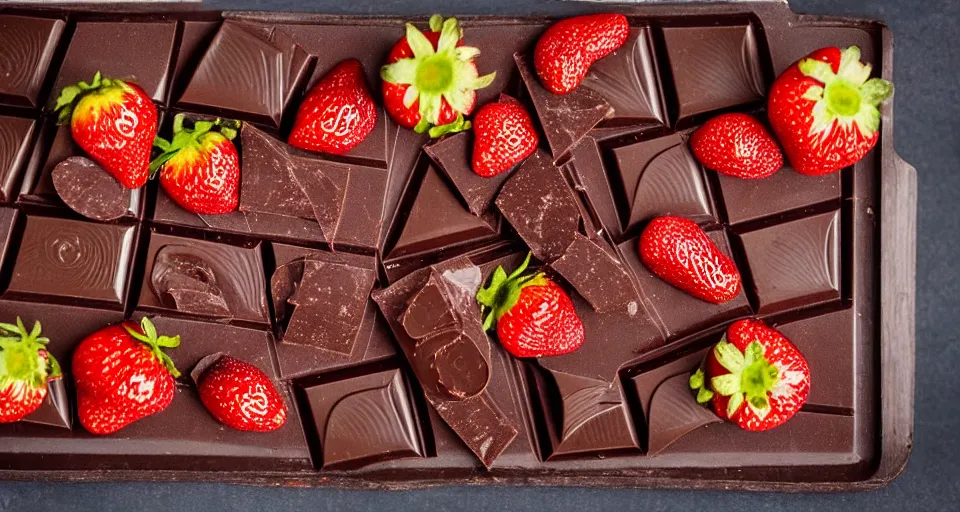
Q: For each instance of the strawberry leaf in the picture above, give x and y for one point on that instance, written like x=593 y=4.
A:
x=729 y=356
x=726 y=385
x=734 y=404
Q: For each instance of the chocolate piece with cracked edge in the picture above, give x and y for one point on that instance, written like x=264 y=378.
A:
x=138 y=52
x=538 y=203
x=16 y=135
x=794 y=264
x=373 y=342
x=325 y=186
x=678 y=312
x=452 y=154
x=206 y=279
x=787 y=190
x=89 y=190
x=271 y=62
x=195 y=37
x=565 y=119
x=586 y=168
x=713 y=68
x=364 y=420
x=661 y=177
x=599 y=277
x=267 y=179
x=627 y=79
x=828 y=343
x=74 y=260
x=28 y=44
x=55 y=409
x=478 y=420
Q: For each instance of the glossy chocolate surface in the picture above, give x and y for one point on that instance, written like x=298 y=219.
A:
x=29 y=43
x=15 y=137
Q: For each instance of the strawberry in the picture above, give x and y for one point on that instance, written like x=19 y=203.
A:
x=239 y=395
x=823 y=109
x=25 y=369
x=679 y=252
x=533 y=315
x=503 y=136
x=755 y=377
x=338 y=112
x=123 y=375
x=430 y=79
x=736 y=145
x=200 y=169
x=565 y=52
x=115 y=123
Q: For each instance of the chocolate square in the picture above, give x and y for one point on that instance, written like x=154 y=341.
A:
x=74 y=260
x=787 y=190
x=828 y=342
x=195 y=37
x=27 y=45
x=598 y=276
x=137 y=52
x=16 y=137
x=627 y=79
x=363 y=420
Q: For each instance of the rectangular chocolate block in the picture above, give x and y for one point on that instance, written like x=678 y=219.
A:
x=29 y=43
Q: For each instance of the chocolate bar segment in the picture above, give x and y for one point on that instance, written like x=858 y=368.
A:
x=784 y=192
x=627 y=79
x=598 y=276
x=28 y=45
x=16 y=135
x=453 y=155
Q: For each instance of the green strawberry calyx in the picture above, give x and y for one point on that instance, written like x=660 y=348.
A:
x=70 y=95
x=447 y=73
x=751 y=379
x=24 y=357
x=148 y=335
x=503 y=292
x=196 y=139
x=849 y=96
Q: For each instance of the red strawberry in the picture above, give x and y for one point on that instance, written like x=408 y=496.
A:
x=754 y=377
x=503 y=136
x=115 y=123
x=565 y=52
x=239 y=395
x=736 y=145
x=823 y=109
x=200 y=169
x=123 y=375
x=430 y=80
x=679 y=252
x=533 y=315
x=338 y=112
x=25 y=369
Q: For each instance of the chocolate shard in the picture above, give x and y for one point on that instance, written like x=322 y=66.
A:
x=89 y=190
x=267 y=177
x=429 y=313
x=325 y=185
x=538 y=203
x=674 y=412
x=627 y=79
x=566 y=118
x=28 y=46
x=15 y=138
x=55 y=408
x=186 y=282
x=329 y=305
x=599 y=277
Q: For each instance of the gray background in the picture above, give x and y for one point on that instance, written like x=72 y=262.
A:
x=927 y=135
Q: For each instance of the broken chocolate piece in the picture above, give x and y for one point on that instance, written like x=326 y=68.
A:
x=674 y=412
x=538 y=203
x=55 y=408
x=89 y=190
x=597 y=276
x=329 y=305
x=267 y=177
x=565 y=118
x=325 y=185
x=452 y=154
x=428 y=313
x=186 y=282
x=16 y=135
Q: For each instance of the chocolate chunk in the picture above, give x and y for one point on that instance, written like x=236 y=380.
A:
x=267 y=178
x=365 y=419
x=539 y=204
x=661 y=177
x=139 y=52
x=28 y=45
x=89 y=190
x=271 y=62
x=185 y=282
x=329 y=302
x=713 y=68
x=428 y=313
x=787 y=190
x=74 y=259
x=597 y=276
x=451 y=364
x=796 y=263
x=15 y=137
x=674 y=412
x=325 y=185
x=566 y=118
x=627 y=79
x=787 y=46
x=452 y=155
x=54 y=411
x=649 y=379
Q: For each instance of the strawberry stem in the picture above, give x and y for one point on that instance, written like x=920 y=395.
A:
x=752 y=377
x=503 y=292
x=72 y=94
x=24 y=356
x=148 y=335
x=184 y=137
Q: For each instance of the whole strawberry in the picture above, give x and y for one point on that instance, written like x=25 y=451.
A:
x=239 y=395
x=736 y=145
x=122 y=375
x=678 y=251
x=503 y=136
x=565 y=52
x=338 y=112
x=25 y=369
x=533 y=315
x=755 y=377
x=115 y=123
x=824 y=110
x=430 y=79
x=200 y=169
